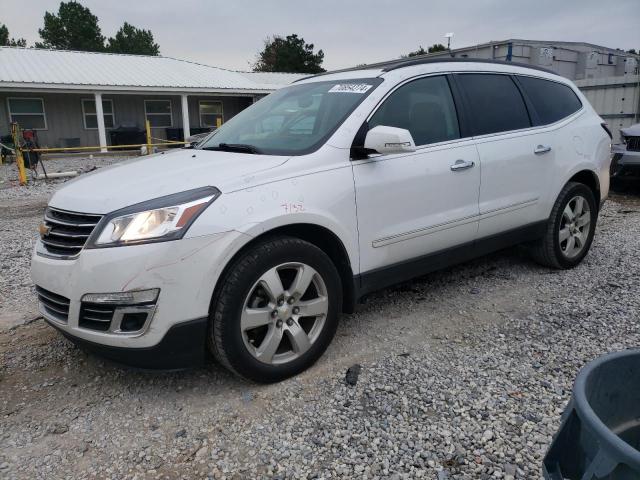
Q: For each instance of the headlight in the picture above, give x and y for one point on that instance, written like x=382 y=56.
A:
x=161 y=219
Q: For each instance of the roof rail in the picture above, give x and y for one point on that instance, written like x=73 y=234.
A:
x=421 y=61
x=402 y=63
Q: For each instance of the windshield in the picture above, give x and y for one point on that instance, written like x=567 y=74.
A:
x=292 y=121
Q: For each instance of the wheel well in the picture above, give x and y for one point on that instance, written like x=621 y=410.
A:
x=590 y=179
x=326 y=241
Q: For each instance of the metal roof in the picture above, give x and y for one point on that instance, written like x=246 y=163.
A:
x=63 y=69
x=273 y=78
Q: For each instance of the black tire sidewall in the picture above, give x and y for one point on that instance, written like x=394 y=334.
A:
x=236 y=288
x=569 y=194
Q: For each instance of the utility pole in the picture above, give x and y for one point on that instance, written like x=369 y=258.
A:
x=449 y=36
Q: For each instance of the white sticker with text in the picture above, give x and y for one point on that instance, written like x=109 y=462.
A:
x=350 y=88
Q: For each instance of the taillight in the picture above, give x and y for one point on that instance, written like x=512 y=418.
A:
x=606 y=129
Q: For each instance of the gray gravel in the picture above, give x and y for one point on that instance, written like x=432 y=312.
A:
x=37 y=188
x=21 y=209
x=464 y=374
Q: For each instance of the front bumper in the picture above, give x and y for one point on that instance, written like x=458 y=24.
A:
x=625 y=159
x=185 y=271
x=182 y=346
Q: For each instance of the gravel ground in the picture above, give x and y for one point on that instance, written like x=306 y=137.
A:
x=465 y=374
x=21 y=210
x=9 y=187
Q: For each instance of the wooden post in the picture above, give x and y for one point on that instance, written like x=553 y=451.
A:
x=149 y=142
x=15 y=132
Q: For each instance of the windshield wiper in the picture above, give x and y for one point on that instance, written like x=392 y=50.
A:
x=235 y=147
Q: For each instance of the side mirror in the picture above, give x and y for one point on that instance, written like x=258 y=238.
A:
x=383 y=139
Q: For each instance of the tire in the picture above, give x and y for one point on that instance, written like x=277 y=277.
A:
x=553 y=252
x=614 y=166
x=249 y=290
x=616 y=172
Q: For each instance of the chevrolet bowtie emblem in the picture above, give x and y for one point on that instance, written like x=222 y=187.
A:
x=44 y=230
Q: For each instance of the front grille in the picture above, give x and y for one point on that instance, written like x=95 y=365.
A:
x=53 y=304
x=67 y=231
x=633 y=144
x=95 y=316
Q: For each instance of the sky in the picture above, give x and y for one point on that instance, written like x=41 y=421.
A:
x=229 y=33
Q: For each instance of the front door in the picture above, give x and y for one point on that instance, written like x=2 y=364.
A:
x=413 y=204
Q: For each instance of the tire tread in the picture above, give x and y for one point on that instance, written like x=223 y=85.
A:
x=230 y=282
x=543 y=250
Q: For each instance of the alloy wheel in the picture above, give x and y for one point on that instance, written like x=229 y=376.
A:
x=284 y=313
x=574 y=226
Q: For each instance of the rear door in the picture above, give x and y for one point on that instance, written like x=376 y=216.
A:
x=413 y=204
x=517 y=160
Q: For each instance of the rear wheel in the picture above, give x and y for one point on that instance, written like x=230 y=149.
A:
x=276 y=311
x=570 y=228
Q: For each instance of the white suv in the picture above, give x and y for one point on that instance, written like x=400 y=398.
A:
x=249 y=245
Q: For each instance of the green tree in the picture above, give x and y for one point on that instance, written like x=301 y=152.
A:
x=632 y=50
x=73 y=28
x=419 y=51
x=436 y=47
x=132 y=40
x=290 y=54
x=5 y=41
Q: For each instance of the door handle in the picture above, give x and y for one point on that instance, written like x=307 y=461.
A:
x=542 y=149
x=461 y=165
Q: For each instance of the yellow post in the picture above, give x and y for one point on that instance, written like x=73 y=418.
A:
x=15 y=132
x=148 y=127
x=218 y=122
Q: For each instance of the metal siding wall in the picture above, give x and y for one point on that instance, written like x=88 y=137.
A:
x=616 y=97
x=129 y=110
x=63 y=112
x=568 y=60
x=4 y=116
x=64 y=118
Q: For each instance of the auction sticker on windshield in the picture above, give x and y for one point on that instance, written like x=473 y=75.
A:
x=350 y=88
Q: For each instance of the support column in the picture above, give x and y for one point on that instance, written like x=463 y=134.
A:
x=102 y=132
x=185 y=117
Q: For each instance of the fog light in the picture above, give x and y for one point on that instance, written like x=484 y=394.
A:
x=133 y=297
x=133 y=322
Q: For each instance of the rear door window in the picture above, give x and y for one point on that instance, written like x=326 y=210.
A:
x=495 y=103
x=424 y=107
x=552 y=101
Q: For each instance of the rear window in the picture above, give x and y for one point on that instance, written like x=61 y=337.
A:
x=495 y=103
x=552 y=101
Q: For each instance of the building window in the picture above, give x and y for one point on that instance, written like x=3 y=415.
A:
x=28 y=113
x=210 y=112
x=90 y=117
x=158 y=112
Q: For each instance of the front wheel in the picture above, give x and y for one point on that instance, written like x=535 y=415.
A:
x=570 y=228
x=276 y=311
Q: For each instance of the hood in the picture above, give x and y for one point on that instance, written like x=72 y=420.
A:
x=133 y=181
x=632 y=131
